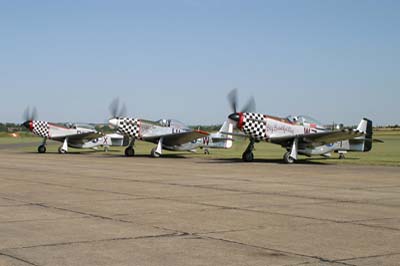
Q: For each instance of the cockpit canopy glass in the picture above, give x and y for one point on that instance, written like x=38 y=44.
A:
x=304 y=119
x=79 y=125
x=171 y=123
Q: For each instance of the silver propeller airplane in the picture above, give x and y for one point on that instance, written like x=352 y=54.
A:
x=218 y=140
x=167 y=134
x=298 y=135
x=71 y=135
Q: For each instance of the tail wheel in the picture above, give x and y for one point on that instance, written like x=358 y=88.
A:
x=129 y=152
x=154 y=153
x=41 y=149
x=248 y=157
x=61 y=150
x=287 y=158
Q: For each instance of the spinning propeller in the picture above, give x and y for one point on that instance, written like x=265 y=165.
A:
x=116 y=113
x=233 y=101
x=28 y=116
x=115 y=110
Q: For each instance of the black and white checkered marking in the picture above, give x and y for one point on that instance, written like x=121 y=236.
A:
x=255 y=125
x=129 y=127
x=40 y=128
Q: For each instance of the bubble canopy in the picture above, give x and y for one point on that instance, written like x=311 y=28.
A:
x=304 y=119
x=171 y=123
x=79 y=125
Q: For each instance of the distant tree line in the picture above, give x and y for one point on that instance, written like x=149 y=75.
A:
x=209 y=128
x=11 y=127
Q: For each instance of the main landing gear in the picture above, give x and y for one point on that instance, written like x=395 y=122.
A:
x=248 y=155
x=287 y=159
x=157 y=151
x=63 y=149
x=130 y=151
x=154 y=153
x=42 y=147
x=291 y=155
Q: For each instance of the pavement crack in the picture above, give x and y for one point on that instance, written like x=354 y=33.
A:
x=179 y=234
x=19 y=259
x=170 y=235
x=321 y=259
x=369 y=257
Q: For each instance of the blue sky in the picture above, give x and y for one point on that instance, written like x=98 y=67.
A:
x=334 y=60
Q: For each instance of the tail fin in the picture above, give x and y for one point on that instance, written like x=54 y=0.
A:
x=364 y=143
x=227 y=127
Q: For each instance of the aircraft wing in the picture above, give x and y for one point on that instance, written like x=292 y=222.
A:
x=316 y=139
x=79 y=138
x=178 y=138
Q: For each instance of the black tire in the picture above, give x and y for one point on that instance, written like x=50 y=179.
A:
x=248 y=157
x=129 y=152
x=42 y=149
x=342 y=156
x=287 y=159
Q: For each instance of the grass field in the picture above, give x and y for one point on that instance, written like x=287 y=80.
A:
x=387 y=153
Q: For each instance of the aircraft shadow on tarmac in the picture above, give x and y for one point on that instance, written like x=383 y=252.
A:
x=116 y=154
x=270 y=161
x=164 y=156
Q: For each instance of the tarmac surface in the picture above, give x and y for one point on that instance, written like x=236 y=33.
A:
x=97 y=209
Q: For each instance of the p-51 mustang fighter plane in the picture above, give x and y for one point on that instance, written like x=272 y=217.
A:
x=167 y=134
x=298 y=135
x=71 y=135
x=218 y=140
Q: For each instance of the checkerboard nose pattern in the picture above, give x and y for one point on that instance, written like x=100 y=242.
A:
x=129 y=126
x=254 y=125
x=40 y=128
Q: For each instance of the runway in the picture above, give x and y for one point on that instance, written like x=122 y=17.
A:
x=96 y=209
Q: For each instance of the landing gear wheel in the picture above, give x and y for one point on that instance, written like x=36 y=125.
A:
x=154 y=153
x=341 y=156
x=287 y=159
x=41 y=149
x=248 y=157
x=61 y=150
x=129 y=152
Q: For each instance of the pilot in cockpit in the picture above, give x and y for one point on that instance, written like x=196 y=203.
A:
x=164 y=122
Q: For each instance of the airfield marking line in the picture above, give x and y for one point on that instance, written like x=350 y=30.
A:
x=19 y=259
